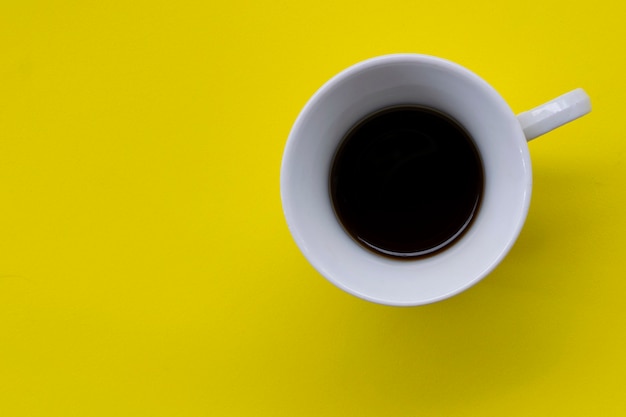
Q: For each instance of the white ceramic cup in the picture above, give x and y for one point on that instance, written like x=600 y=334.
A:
x=500 y=137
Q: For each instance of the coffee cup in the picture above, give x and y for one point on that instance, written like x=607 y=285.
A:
x=423 y=82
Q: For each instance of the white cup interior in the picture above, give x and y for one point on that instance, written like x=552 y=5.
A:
x=361 y=90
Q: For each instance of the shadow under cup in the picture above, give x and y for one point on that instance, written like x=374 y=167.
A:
x=399 y=80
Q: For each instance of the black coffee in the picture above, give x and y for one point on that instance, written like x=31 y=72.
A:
x=406 y=181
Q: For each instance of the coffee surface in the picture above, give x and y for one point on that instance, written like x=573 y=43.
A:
x=406 y=181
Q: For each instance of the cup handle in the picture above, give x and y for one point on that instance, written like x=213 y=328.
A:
x=554 y=113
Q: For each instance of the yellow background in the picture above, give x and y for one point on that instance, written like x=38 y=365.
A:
x=145 y=266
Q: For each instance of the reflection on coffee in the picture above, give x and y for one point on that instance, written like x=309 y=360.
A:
x=406 y=182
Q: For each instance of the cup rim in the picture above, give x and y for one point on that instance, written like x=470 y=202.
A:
x=313 y=102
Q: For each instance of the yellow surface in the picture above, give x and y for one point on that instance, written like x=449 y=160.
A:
x=145 y=266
